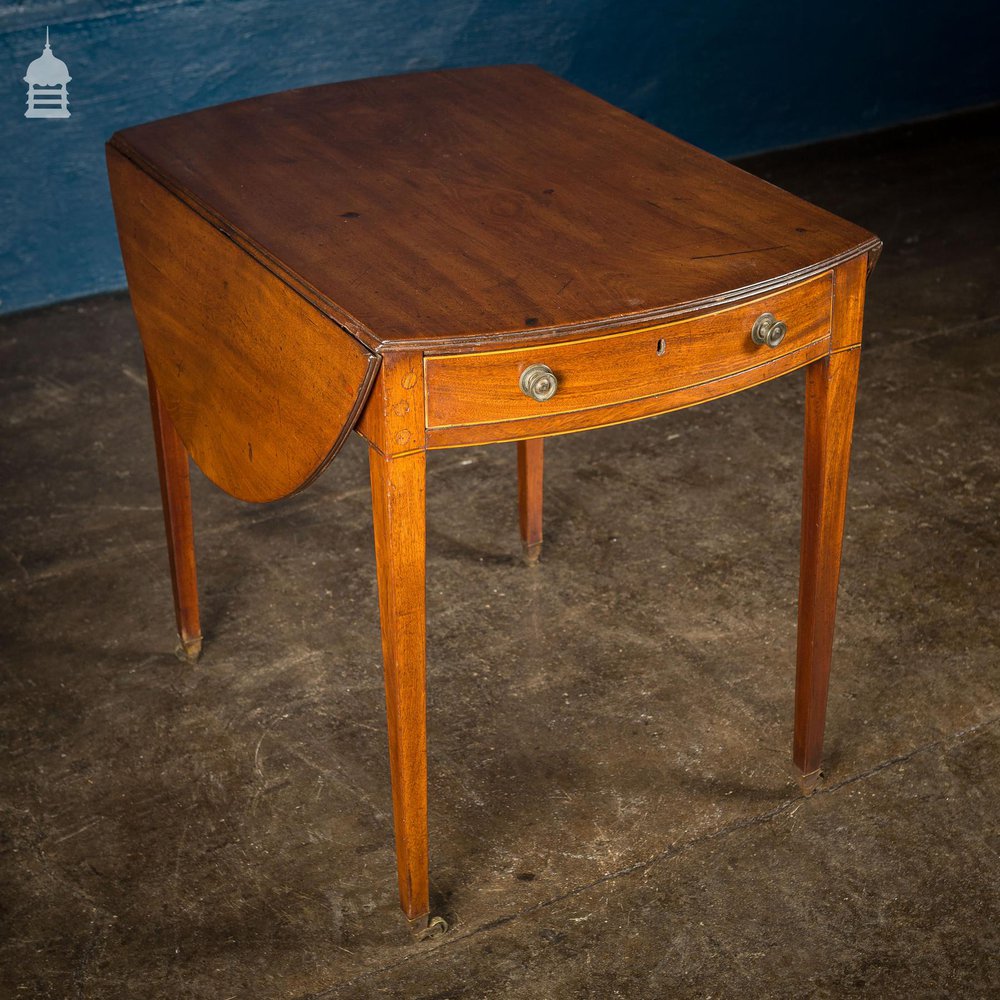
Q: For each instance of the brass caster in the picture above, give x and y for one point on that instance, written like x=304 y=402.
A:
x=808 y=782
x=436 y=927
x=530 y=553
x=426 y=927
x=188 y=650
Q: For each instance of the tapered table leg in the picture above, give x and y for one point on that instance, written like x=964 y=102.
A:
x=831 y=385
x=175 y=492
x=398 y=504
x=530 y=461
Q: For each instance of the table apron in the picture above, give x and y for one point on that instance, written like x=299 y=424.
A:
x=620 y=413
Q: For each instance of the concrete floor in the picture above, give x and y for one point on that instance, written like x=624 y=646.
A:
x=612 y=807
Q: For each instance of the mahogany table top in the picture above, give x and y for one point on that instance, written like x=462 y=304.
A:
x=463 y=207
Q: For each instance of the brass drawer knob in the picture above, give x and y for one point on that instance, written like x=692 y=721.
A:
x=768 y=330
x=539 y=382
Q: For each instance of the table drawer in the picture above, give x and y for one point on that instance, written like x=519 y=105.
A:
x=464 y=389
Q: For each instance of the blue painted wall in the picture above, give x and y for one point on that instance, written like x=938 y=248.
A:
x=733 y=77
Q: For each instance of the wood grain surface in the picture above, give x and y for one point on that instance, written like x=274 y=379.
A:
x=850 y=280
x=483 y=388
x=620 y=413
x=398 y=505
x=498 y=203
x=261 y=387
x=393 y=419
x=831 y=385
x=173 y=467
x=530 y=466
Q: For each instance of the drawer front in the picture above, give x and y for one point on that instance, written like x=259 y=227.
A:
x=483 y=388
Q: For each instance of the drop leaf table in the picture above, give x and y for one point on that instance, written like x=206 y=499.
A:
x=460 y=258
